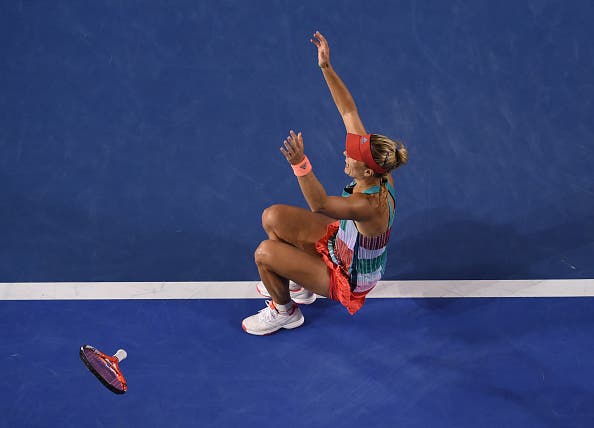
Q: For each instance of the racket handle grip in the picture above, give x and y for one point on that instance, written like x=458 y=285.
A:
x=121 y=354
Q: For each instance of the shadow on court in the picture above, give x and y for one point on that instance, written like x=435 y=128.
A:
x=474 y=249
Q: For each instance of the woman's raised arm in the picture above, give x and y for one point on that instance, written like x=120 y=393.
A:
x=340 y=94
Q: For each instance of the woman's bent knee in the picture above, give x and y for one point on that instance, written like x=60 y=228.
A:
x=263 y=253
x=271 y=217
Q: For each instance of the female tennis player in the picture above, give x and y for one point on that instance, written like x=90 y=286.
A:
x=338 y=249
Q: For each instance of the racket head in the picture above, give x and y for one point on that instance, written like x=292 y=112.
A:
x=105 y=368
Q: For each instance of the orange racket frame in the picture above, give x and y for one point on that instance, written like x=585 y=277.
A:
x=111 y=362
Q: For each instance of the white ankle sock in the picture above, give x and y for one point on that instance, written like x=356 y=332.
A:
x=283 y=309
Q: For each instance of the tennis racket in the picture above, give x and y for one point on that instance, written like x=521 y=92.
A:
x=105 y=367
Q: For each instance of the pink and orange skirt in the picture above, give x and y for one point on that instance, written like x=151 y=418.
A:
x=340 y=289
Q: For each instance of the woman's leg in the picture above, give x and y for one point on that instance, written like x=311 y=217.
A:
x=296 y=226
x=279 y=261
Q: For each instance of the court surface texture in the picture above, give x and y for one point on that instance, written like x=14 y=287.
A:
x=401 y=361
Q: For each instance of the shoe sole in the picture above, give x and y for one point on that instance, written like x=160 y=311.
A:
x=294 y=324
x=308 y=301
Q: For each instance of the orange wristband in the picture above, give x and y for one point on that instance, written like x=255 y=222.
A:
x=302 y=168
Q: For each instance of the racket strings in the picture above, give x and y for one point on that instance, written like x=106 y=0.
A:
x=106 y=369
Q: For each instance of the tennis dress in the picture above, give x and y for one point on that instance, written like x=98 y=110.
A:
x=355 y=262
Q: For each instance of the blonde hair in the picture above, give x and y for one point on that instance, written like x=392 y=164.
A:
x=388 y=154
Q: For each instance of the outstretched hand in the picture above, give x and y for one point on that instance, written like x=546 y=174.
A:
x=323 y=49
x=293 y=148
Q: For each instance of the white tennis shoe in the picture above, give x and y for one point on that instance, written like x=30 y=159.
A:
x=269 y=320
x=299 y=294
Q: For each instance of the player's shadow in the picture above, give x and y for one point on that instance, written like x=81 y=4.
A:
x=459 y=247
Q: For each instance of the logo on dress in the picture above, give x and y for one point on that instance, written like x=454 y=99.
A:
x=363 y=140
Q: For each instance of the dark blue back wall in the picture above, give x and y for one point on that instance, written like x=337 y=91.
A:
x=139 y=140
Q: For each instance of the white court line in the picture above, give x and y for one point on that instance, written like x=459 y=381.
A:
x=247 y=289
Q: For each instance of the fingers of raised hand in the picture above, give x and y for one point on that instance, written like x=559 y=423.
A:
x=292 y=144
x=320 y=37
x=296 y=140
x=288 y=148
x=287 y=152
x=319 y=40
x=289 y=145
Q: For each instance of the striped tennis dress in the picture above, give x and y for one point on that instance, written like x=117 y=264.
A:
x=356 y=262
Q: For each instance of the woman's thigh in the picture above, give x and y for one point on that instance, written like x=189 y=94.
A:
x=294 y=225
x=307 y=270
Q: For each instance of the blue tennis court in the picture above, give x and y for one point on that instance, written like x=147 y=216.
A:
x=139 y=146
x=401 y=362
